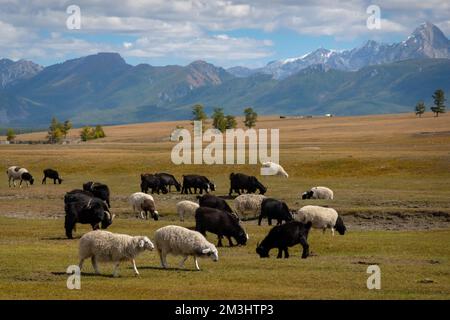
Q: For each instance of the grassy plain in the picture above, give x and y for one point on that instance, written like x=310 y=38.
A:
x=390 y=174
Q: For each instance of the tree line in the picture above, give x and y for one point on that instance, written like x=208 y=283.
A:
x=222 y=122
x=57 y=131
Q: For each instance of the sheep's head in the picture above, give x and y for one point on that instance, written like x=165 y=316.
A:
x=144 y=243
x=155 y=215
x=211 y=252
x=242 y=237
x=262 y=251
x=307 y=195
x=339 y=226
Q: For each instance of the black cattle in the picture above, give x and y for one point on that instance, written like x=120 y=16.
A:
x=169 y=180
x=284 y=236
x=51 y=174
x=153 y=183
x=197 y=182
x=221 y=223
x=240 y=182
x=82 y=207
x=274 y=209
x=99 y=190
x=209 y=200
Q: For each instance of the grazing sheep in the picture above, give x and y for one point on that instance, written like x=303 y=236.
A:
x=273 y=169
x=17 y=173
x=321 y=218
x=104 y=246
x=274 y=209
x=318 y=193
x=52 y=174
x=143 y=203
x=186 y=207
x=183 y=242
x=248 y=203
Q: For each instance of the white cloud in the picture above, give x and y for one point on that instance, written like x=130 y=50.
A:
x=185 y=28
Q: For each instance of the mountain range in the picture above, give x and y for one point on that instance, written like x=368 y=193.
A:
x=103 y=88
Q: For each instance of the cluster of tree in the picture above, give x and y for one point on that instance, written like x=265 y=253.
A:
x=58 y=130
x=437 y=108
x=90 y=133
x=221 y=121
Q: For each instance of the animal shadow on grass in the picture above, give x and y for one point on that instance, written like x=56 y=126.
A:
x=166 y=269
x=85 y=274
x=59 y=238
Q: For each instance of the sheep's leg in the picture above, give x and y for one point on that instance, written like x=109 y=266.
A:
x=141 y=214
x=80 y=265
x=136 y=272
x=286 y=253
x=94 y=264
x=183 y=261
x=332 y=232
x=20 y=184
x=270 y=221
x=280 y=253
x=196 y=263
x=44 y=181
x=162 y=257
x=219 y=244
x=324 y=229
x=9 y=182
x=260 y=219
x=116 y=270
x=230 y=242
x=305 y=246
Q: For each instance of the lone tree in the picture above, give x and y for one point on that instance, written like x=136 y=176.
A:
x=10 y=135
x=66 y=127
x=219 y=120
x=230 y=122
x=55 y=131
x=439 y=100
x=250 y=118
x=420 y=108
x=198 y=113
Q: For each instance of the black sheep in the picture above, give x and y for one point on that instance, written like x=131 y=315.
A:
x=284 y=236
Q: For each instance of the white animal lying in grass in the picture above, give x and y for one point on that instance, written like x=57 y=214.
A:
x=104 y=246
x=319 y=193
x=183 y=242
x=273 y=169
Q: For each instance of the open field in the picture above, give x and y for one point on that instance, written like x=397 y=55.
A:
x=390 y=174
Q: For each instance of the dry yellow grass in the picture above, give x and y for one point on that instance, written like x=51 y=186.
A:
x=377 y=165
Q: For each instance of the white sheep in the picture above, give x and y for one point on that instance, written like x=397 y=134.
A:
x=105 y=246
x=319 y=193
x=185 y=208
x=17 y=173
x=273 y=169
x=181 y=241
x=248 y=203
x=321 y=218
x=143 y=203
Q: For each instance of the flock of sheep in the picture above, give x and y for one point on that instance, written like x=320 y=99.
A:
x=212 y=213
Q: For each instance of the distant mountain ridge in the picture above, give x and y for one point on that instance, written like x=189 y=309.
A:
x=13 y=71
x=427 y=41
x=103 y=88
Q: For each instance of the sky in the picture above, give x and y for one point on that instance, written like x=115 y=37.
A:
x=224 y=32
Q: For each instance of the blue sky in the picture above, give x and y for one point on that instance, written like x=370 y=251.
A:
x=224 y=32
